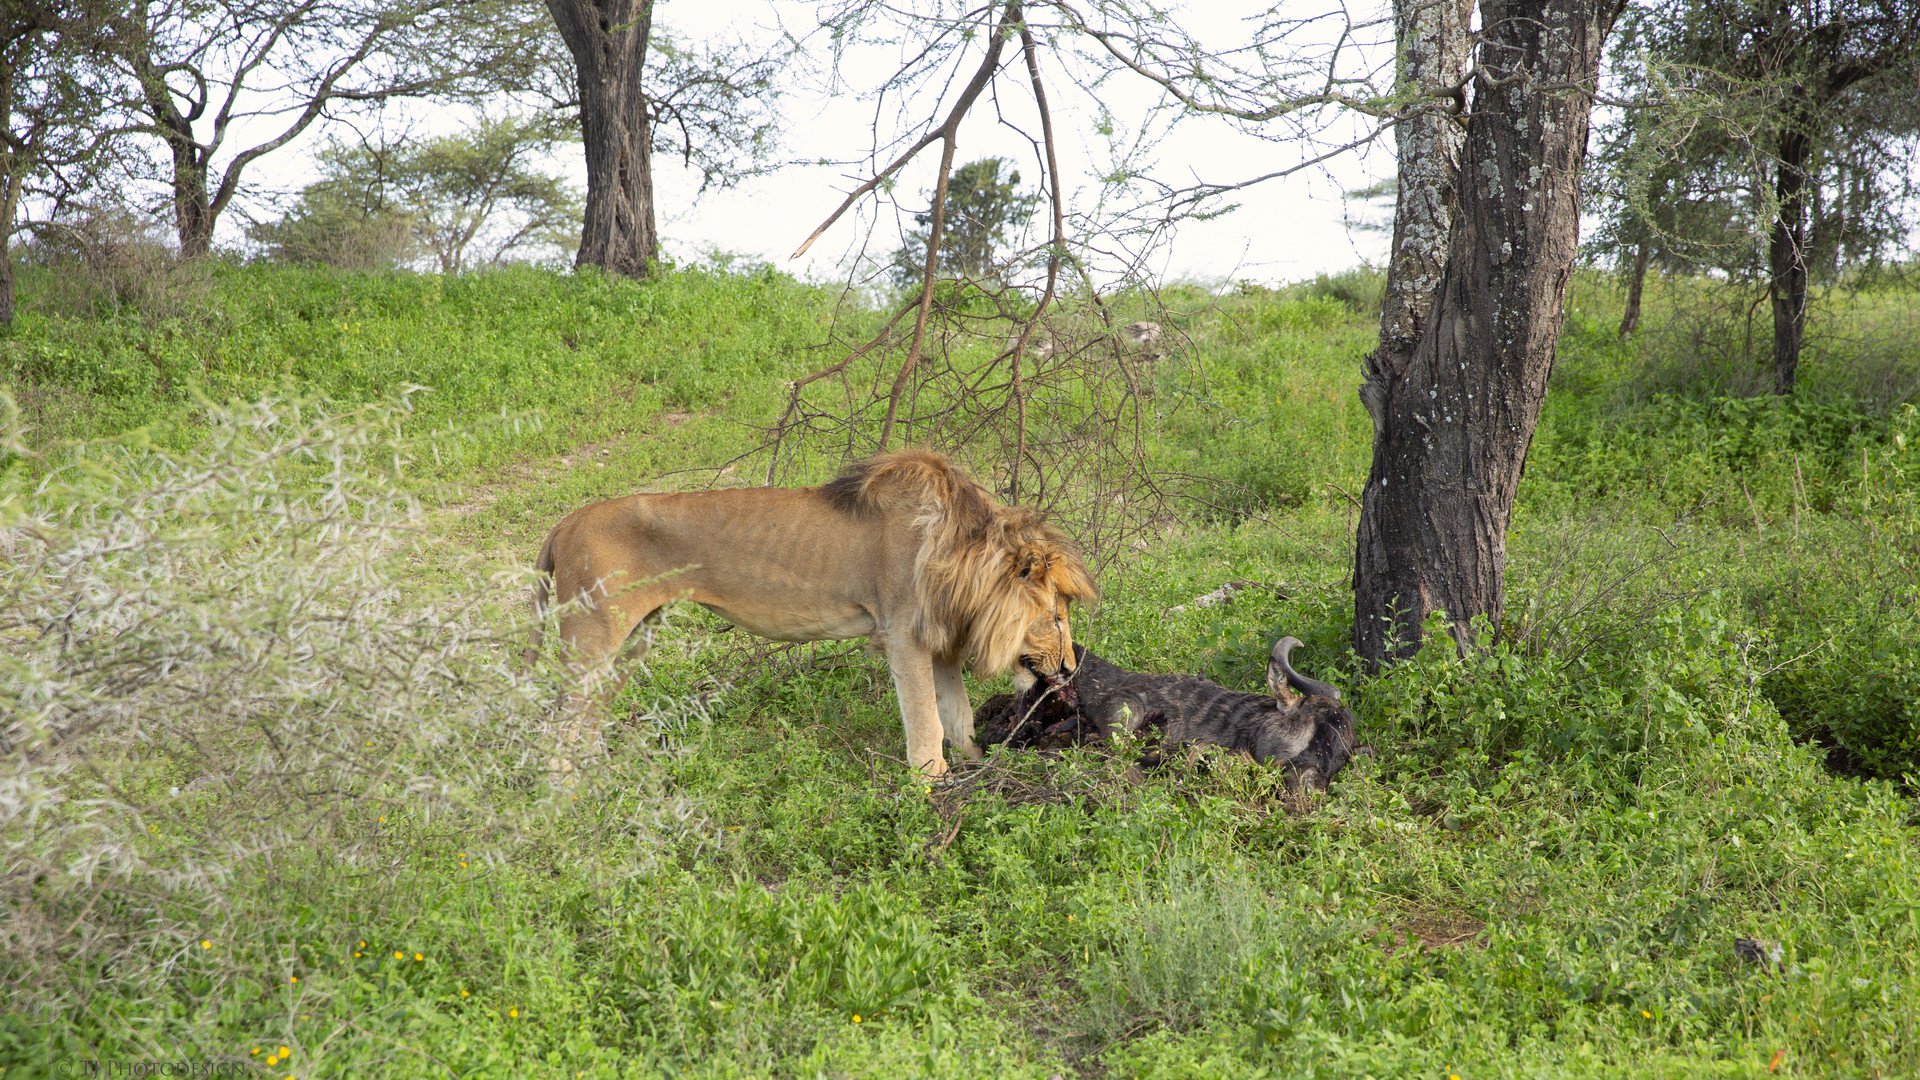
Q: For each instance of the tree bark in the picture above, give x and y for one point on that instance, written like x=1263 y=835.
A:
x=608 y=40
x=1630 y=321
x=1787 y=258
x=1431 y=39
x=10 y=184
x=1453 y=424
x=10 y=187
x=193 y=214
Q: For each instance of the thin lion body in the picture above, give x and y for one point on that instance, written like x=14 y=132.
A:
x=904 y=550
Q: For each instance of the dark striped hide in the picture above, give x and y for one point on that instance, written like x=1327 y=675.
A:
x=1299 y=722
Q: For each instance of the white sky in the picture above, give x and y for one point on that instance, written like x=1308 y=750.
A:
x=1285 y=229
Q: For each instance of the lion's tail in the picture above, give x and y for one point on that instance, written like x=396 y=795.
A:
x=542 y=589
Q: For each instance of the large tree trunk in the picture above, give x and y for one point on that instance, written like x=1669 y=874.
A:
x=10 y=184
x=1787 y=259
x=193 y=214
x=1431 y=39
x=7 y=288
x=193 y=210
x=1630 y=321
x=608 y=40
x=1452 y=425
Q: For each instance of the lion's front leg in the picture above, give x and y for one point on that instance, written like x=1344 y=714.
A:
x=956 y=712
x=913 y=680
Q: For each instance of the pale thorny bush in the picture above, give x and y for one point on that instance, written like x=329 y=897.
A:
x=221 y=661
x=1206 y=942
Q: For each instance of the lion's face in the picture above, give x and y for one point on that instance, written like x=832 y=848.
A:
x=1047 y=651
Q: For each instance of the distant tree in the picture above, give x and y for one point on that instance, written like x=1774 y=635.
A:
x=467 y=200
x=478 y=197
x=349 y=218
x=1799 y=87
x=51 y=99
x=1683 y=205
x=983 y=205
x=636 y=92
x=199 y=69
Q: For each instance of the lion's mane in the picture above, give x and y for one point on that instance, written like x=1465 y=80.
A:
x=983 y=571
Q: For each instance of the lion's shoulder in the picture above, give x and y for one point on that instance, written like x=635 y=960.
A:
x=912 y=478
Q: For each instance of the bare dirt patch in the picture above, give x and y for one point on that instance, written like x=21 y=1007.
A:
x=1435 y=928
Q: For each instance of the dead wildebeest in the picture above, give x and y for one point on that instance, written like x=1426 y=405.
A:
x=1300 y=722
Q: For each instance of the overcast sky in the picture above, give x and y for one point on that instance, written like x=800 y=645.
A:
x=1284 y=229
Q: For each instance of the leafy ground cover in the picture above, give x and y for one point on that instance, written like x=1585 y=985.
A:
x=1692 y=732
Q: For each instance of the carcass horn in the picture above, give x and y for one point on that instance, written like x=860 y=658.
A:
x=1313 y=687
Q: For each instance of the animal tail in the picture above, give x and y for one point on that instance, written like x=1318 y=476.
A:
x=542 y=589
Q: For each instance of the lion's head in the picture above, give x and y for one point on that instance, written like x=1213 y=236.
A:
x=1026 y=616
x=995 y=582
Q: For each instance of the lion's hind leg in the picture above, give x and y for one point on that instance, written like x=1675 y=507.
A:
x=604 y=632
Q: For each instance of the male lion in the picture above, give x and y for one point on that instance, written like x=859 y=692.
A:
x=902 y=549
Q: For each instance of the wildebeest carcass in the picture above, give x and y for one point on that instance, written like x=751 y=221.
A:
x=1300 y=721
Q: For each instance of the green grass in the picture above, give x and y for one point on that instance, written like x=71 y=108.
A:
x=1541 y=874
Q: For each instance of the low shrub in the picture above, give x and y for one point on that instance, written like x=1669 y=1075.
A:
x=214 y=669
x=1849 y=635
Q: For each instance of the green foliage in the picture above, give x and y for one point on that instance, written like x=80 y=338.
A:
x=468 y=200
x=1542 y=872
x=1361 y=288
x=981 y=207
x=683 y=970
x=601 y=357
x=1861 y=693
x=1206 y=944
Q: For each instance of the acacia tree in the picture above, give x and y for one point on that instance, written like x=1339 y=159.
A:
x=201 y=71
x=608 y=40
x=1452 y=425
x=982 y=205
x=635 y=92
x=476 y=198
x=1788 y=79
x=467 y=200
x=1680 y=203
x=50 y=100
